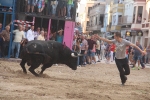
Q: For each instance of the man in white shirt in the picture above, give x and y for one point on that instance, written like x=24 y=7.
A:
x=30 y=34
x=19 y=35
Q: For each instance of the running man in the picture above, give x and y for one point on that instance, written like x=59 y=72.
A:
x=120 y=57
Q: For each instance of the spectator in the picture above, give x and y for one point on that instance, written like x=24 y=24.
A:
x=139 y=19
x=36 y=33
x=19 y=35
x=48 y=8
x=45 y=34
x=54 y=6
x=147 y=57
x=112 y=49
x=59 y=37
x=103 y=47
x=108 y=55
x=41 y=5
x=25 y=31
x=138 y=57
x=98 y=48
x=91 y=52
x=5 y=35
x=41 y=36
x=62 y=8
x=84 y=49
x=131 y=54
x=31 y=4
x=69 y=5
x=30 y=34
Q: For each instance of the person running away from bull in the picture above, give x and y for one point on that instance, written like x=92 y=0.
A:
x=120 y=56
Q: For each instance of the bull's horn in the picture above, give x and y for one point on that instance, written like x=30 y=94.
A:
x=80 y=54
x=72 y=54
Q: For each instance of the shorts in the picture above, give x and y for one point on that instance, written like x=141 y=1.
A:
x=108 y=54
x=41 y=4
x=90 y=53
x=137 y=58
x=31 y=2
x=97 y=52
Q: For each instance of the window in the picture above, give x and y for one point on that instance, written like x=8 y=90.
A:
x=77 y=14
x=134 y=14
x=139 y=14
x=101 y=19
x=89 y=8
x=149 y=16
x=87 y=23
x=96 y=21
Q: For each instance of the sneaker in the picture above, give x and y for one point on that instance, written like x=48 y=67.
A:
x=98 y=61
x=133 y=68
x=143 y=67
x=123 y=82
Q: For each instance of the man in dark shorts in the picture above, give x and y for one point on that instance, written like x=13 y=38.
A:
x=120 y=57
x=61 y=8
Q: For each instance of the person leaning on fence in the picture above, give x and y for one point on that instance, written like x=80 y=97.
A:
x=18 y=37
x=5 y=35
x=120 y=57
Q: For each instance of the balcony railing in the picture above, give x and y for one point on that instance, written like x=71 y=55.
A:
x=146 y=25
x=96 y=27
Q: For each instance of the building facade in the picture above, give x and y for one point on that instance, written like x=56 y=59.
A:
x=146 y=25
x=96 y=18
x=84 y=10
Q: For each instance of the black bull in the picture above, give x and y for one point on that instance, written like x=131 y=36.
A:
x=47 y=53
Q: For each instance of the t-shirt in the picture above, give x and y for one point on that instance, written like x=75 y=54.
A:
x=98 y=45
x=121 y=48
x=59 y=38
x=70 y=2
x=137 y=52
x=84 y=44
x=19 y=35
x=91 y=43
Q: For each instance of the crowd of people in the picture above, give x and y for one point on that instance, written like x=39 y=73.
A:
x=92 y=47
x=22 y=35
x=59 y=8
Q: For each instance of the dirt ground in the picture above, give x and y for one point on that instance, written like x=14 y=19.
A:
x=93 y=82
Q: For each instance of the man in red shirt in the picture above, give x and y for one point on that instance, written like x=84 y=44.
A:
x=112 y=49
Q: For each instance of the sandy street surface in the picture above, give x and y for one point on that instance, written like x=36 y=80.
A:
x=93 y=82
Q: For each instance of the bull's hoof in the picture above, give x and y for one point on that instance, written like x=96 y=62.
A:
x=37 y=75
x=25 y=72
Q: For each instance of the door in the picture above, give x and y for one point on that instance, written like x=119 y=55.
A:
x=68 y=33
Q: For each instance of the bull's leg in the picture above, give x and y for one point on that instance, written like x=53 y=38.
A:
x=32 y=68
x=22 y=64
x=45 y=66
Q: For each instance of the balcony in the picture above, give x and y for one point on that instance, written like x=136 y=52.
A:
x=96 y=27
x=115 y=28
x=118 y=6
x=126 y=20
x=145 y=26
x=135 y=26
x=117 y=10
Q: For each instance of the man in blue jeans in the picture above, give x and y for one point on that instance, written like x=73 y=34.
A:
x=19 y=35
x=69 y=5
x=138 y=57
